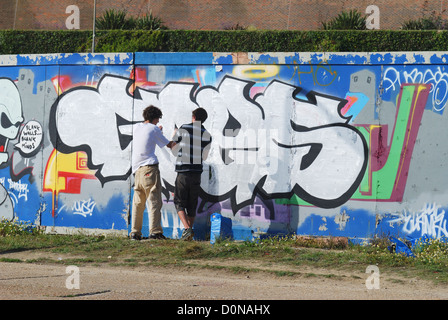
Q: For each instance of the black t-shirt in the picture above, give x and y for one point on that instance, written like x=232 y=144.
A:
x=193 y=139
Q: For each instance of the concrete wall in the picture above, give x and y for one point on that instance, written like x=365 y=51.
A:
x=347 y=144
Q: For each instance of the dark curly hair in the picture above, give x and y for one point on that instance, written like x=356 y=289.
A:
x=200 y=114
x=150 y=113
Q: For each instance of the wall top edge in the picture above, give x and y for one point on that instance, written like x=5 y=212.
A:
x=66 y=59
x=227 y=58
x=288 y=58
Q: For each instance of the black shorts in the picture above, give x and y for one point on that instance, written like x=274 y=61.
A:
x=186 y=192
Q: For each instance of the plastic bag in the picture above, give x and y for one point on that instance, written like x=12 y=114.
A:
x=399 y=246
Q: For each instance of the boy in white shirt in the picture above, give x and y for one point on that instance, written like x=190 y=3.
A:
x=145 y=166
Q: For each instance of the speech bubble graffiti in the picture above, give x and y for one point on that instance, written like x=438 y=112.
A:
x=30 y=139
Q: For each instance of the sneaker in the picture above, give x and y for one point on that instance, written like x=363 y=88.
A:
x=187 y=235
x=157 y=236
x=135 y=236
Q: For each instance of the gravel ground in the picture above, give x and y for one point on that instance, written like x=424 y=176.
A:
x=32 y=281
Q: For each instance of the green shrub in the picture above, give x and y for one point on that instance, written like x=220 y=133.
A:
x=112 y=20
x=432 y=22
x=346 y=20
x=149 y=22
x=236 y=26
x=131 y=41
x=27 y=42
x=73 y=41
x=118 y=20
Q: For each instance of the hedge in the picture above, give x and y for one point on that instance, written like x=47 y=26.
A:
x=69 y=41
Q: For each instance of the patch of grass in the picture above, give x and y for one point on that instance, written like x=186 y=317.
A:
x=287 y=251
x=284 y=273
x=310 y=275
x=10 y=260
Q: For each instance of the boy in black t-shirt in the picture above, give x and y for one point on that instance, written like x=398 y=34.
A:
x=193 y=145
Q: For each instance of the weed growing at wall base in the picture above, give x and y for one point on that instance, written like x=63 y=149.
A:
x=432 y=251
x=16 y=228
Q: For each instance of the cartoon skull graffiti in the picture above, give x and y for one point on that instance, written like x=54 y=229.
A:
x=10 y=115
x=10 y=120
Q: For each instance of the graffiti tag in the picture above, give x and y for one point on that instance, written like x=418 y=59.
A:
x=429 y=221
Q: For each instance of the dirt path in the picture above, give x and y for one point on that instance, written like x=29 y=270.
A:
x=34 y=281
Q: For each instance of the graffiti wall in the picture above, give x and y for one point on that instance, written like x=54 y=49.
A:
x=348 y=144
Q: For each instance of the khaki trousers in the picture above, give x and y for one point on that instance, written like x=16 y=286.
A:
x=147 y=189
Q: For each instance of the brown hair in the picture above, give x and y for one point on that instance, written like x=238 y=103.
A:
x=150 y=113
